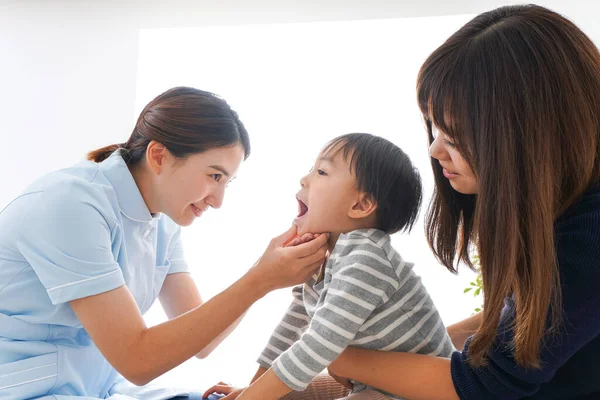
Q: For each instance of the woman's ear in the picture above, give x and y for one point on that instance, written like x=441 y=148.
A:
x=156 y=154
x=363 y=207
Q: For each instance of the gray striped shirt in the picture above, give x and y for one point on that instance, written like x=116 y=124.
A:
x=369 y=297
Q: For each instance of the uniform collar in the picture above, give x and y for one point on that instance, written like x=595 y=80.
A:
x=130 y=199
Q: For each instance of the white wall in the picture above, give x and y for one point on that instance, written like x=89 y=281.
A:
x=68 y=71
x=69 y=79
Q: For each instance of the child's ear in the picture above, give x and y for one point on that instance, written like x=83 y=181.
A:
x=363 y=207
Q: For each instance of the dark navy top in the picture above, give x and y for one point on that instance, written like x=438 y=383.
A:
x=571 y=359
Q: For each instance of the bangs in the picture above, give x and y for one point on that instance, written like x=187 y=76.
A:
x=443 y=98
x=346 y=145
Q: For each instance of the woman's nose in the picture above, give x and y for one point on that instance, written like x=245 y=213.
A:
x=215 y=200
x=436 y=150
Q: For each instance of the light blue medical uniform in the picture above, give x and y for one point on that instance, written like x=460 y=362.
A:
x=75 y=233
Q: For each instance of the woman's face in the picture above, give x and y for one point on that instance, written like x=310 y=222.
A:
x=186 y=188
x=455 y=167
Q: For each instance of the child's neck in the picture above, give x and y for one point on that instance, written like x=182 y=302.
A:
x=333 y=238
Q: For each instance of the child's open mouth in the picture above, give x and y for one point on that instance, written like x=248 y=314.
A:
x=302 y=208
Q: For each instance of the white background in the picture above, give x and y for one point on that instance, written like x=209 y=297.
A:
x=75 y=74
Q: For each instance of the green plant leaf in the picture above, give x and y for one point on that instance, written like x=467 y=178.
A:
x=467 y=289
x=477 y=309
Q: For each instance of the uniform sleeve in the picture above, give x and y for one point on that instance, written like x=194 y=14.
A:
x=175 y=257
x=290 y=329
x=68 y=242
x=363 y=281
x=578 y=254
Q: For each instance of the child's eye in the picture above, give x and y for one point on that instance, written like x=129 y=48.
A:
x=321 y=172
x=216 y=177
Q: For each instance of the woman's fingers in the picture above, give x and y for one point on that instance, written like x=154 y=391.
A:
x=306 y=249
x=307 y=237
x=294 y=242
x=285 y=237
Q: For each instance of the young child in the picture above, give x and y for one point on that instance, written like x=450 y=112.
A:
x=361 y=189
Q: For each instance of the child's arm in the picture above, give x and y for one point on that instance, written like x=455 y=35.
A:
x=268 y=386
x=260 y=372
x=365 y=281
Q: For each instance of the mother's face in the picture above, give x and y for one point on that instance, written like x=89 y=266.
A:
x=456 y=169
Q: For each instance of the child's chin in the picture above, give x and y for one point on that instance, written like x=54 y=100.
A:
x=302 y=228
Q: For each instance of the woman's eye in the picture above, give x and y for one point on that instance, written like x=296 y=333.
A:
x=216 y=177
x=321 y=172
x=451 y=144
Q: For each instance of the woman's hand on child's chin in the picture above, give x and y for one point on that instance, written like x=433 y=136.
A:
x=307 y=237
x=282 y=266
x=224 y=388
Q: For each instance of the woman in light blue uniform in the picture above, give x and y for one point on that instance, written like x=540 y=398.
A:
x=85 y=251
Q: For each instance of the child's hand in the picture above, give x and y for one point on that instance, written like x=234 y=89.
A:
x=307 y=237
x=341 y=380
x=224 y=388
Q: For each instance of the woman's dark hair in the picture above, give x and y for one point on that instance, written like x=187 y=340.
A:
x=386 y=174
x=518 y=90
x=186 y=121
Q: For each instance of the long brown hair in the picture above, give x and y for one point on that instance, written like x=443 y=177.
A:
x=518 y=90
x=186 y=121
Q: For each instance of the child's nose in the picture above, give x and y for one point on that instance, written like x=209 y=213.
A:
x=304 y=181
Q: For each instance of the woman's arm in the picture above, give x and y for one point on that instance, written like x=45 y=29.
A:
x=461 y=331
x=414 y=376
x=178 y=295
x=140 y=354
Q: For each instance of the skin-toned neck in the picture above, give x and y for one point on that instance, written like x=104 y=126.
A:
x=143 y=177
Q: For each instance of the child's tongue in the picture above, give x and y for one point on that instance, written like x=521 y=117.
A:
x=302 y=209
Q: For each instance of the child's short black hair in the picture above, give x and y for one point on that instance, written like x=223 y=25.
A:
x=386 y=174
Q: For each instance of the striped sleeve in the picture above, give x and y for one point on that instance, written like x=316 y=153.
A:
x=364 y=280
x=290 y=329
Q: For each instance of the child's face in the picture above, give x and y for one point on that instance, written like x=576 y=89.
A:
x=328 y=198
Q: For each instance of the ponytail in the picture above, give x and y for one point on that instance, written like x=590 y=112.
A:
x=102 y=154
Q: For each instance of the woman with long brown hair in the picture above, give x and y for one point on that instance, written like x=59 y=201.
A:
x=85 y=251
x=511 y=103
